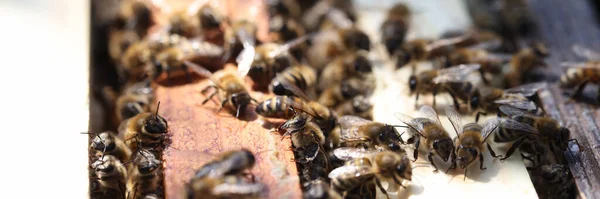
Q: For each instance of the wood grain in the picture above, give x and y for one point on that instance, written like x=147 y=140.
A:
x=198 y=133
x=563 y=24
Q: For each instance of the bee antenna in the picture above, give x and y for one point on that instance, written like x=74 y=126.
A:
x=399 y=126
x=576 y=142
x=157 y=107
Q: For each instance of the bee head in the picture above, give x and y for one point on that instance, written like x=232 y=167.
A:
x=388 y=134
x=209 y=18
x=146 y=162
x=155 y=124
x=404 y=169
x=358 y=39
x=465 y=156
x=240 y=99
x=563 y=138
x=240 y=160
x=277 y=88
x=474 y=101
x=350 y=88
x=362 y=64
x=412 y=83
x=103 y=142
x=443 y=147
x=402 y=58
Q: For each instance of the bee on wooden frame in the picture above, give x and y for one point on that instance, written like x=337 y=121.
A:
x=470 y=140
x=451 y=80
x=366 y=165
x=428 y=130
x=578 y=75
x=230 y=87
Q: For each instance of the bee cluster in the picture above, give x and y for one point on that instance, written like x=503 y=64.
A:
x=319 y=66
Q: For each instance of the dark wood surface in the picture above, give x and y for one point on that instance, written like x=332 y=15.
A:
x=563 y=24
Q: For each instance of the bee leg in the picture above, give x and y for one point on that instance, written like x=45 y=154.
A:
x=512 y=149
x=430 y=158
x=492 y=152
x=209 y=97
x=417 y=99
x=578 y=91
x=456 y=104
x=434 y=94
x=478 y=114
x=188 y=76
x=416 y=151
x=222 y=105
x=398 y=182
x=485 y=80
x=465 y=177
x=381 y=188
x=481 y=162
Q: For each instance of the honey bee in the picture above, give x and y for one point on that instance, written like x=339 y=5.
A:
x=144 y=176
x=175 y=57
x=489 y=62
x=266 y=60
x=119 y=41
x=516 y=17
x=395 y=26
x=229 y=86
x=231 y=186
x=429 y=131
x=358 y=106
x=106 y=143
x=470 y=140
x=343 y=67
x=359 y=169
x=319 y=189
x=296 y=77
x=357 y=129
x=150 y=58
x=327 y=45
x=580 y=74
x=134 y=15
x=346 y=90
x=111 y=176
x=194 y=21
x=426 y=49
x=525 y=61
x=526 y=129
x=144 y=130
x=554 y=180
x=282 y=106
x=306 y=135
x=234 y=162
x=489 y=99
x=451 y=80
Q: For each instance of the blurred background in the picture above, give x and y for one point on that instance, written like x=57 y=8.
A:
x=44 y=53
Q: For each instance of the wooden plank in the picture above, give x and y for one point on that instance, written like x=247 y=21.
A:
x=198 y=134
x=563 y=24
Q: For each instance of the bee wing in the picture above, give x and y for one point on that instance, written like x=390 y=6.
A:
x=199 y=47
x=430 y=114
x=348 y=153
x=246 y=57
x=454 y=118
x=527 y=89
x=346 y=124
x=290 y=86
x=238 y=188
x=410 y=122
x=349 y=171
x=455 y=73
x=447 y=42
x=489 y=127
x=515 y=125
x=511 y=111
x=290 y=44
x=198 y=69
x=585 y=52
x=339 y=18
x=516 y=103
